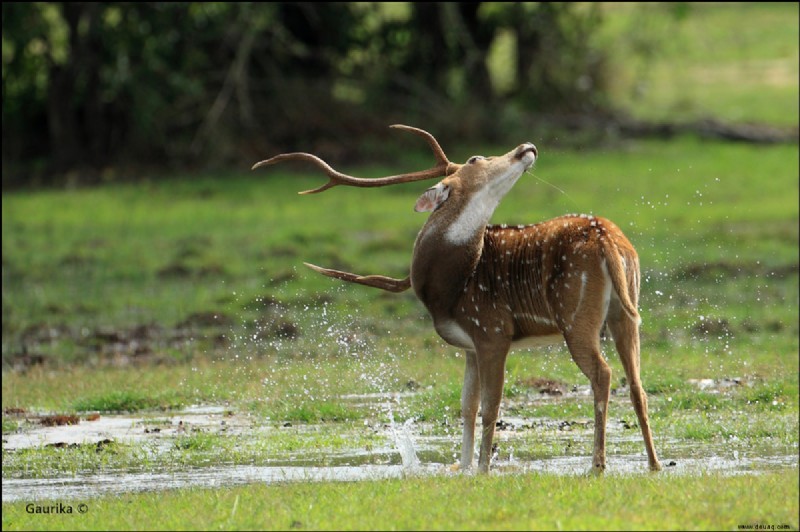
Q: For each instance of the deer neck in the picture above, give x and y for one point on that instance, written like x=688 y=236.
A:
x=447 y=250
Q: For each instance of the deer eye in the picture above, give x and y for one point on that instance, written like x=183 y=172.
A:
x=475 y=158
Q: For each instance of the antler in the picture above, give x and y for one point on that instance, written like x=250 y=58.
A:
x=443 y=166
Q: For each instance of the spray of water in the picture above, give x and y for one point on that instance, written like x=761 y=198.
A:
x=322 y=333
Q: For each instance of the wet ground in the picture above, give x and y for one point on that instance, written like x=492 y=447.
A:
x=87 y=486
x=410 y=448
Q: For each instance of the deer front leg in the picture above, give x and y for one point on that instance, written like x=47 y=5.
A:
x=491 y=366
x=470 y=401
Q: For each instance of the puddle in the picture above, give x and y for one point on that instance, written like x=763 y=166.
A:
x=637 y=464
x=84 y=487
x=408 y=448
x=128 y=429
x=88 y=486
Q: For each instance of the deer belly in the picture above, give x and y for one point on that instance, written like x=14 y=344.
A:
x=452 y=333
x=537 y=341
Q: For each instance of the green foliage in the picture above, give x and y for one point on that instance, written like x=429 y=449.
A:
x=112 y=87
x=106 y=86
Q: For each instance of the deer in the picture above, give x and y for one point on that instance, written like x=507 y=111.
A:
x=491 y=289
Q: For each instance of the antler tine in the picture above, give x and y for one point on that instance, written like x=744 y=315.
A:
x=438 y=152
x=443 y=166
x=336 y=178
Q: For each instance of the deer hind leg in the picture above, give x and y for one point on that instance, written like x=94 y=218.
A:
x=582 y=334
x=586 y=354
x=491 y=367
x=626 y=338
x=470 y=401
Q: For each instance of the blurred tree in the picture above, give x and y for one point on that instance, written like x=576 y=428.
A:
x=557 y=64
x=448 y=55
x=90 y=85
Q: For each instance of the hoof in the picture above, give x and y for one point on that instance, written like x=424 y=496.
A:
x=597 y=470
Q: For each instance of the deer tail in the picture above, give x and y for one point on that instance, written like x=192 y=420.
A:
x=376 y=281
x=616 y=270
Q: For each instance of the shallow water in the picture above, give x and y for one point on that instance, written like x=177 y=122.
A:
x=409 y=451
x=88 y=486
x=83 y=487
x=125 y=428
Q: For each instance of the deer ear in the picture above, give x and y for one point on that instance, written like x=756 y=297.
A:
x=432 y=198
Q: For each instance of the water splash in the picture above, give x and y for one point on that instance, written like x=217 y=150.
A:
x=404 y=443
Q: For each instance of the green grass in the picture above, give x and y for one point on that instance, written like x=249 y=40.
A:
x=9 y=425
x=737 y=62
x=264 y=444
x=127 y=401
x=686 y=205
x=530 y=502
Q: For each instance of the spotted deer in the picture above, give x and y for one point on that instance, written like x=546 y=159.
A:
x=490 y=289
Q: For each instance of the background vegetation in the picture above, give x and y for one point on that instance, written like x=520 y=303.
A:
x=98 y=90
x=182 y=283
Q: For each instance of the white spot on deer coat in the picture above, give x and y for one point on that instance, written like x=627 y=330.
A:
x=541 y=320
x=584 y=280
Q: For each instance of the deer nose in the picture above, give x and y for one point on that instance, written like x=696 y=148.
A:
x=525 y=148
